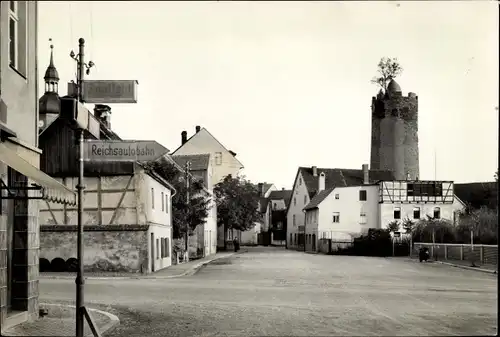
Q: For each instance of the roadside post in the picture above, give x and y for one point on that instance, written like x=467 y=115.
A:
x=99 y=92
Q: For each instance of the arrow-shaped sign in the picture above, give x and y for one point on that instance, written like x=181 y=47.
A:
x=123 y=150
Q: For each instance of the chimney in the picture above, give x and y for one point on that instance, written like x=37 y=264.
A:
x=261 y=188
x=366 y=174
x=282 y=188
x=198 y=128
x=103 y=113
x=315 y=171
x=184 y=137
x=321 y=181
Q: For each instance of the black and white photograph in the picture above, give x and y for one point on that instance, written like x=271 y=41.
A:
x=249 y=168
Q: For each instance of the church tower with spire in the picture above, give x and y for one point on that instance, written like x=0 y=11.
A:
x=49 y=103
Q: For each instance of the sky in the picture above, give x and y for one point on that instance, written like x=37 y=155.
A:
x=287 y=84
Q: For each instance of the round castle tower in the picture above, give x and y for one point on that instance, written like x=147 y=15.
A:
x=394 y=144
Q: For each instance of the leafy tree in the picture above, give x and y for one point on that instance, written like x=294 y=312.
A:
x=184 y=215
x=444 y=231
x=388 y=68
x=393 y=226
x=409 y=225
x=482 y=222
x=237 y=204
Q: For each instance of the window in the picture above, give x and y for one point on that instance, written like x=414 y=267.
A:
x=425 y=189
x=157 y=248
x=416 y=213
x=275 y=206
x=162 y=203
x=337 y=196
x=152 y=198
x=293 y=219
x=295 y=201
x=362 y=195
x=437 y=213
x=305 y=199
x=162 y=248
x=13 y=34
x=362 y=217
x=336 y=217
x=300 y=181
x=17 y=35
x=295 y=238
x=167 y=248
x=218 y=158
x=291 y=238
x=166 y=203
x=397 y=213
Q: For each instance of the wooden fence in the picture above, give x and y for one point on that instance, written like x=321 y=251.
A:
x=483 y=254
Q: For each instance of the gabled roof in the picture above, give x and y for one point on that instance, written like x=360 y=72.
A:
x=478 y=194
x=285 y=195
x=318 y=198
x=187 y=141
x=199 y=162
x=340 y=177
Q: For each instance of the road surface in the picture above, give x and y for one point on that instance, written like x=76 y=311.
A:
x=274 y=292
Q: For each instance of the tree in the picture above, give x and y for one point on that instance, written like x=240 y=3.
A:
x=237 y=204
x=393 y=226
x=184 y=215
x=483 y=223
x=388 y=68
x=443 y=230
x=408 y=225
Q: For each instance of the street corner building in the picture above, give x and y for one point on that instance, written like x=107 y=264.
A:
x=22 y=183
x=126 y=208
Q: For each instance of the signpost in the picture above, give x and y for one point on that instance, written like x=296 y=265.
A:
x=106 y=92
x=123 y=150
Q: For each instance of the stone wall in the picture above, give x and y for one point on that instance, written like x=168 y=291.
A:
x=116 y=249
x=394 y=141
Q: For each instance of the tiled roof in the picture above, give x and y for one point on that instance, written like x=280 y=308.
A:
x=478 y=194
x=199 y=162
x=285 y=195
x=318 y=198
x=340 y=178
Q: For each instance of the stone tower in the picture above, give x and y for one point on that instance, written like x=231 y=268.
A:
x=394 y=144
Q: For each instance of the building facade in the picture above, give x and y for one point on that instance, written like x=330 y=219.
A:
x=311 y=182
x=22 y=184
x=344 y=213
x=127 y=220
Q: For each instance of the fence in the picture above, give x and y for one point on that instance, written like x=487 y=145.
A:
x=483 y=254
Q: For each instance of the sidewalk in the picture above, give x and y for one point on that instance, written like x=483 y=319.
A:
x=173 y=271
x=60 y=321
x=485 y=268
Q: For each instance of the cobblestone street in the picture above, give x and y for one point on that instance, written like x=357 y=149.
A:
x=274 y=292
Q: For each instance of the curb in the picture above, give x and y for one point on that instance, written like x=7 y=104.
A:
x=192 y=270
x=113 y=319
x=468 y=268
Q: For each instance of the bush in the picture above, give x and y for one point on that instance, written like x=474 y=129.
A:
x=376 y=243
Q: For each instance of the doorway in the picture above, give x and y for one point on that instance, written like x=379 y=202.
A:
x=314 y=242
x=152 y=252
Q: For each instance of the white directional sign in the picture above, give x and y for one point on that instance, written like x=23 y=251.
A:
x=106 y=92
x=123 y=150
